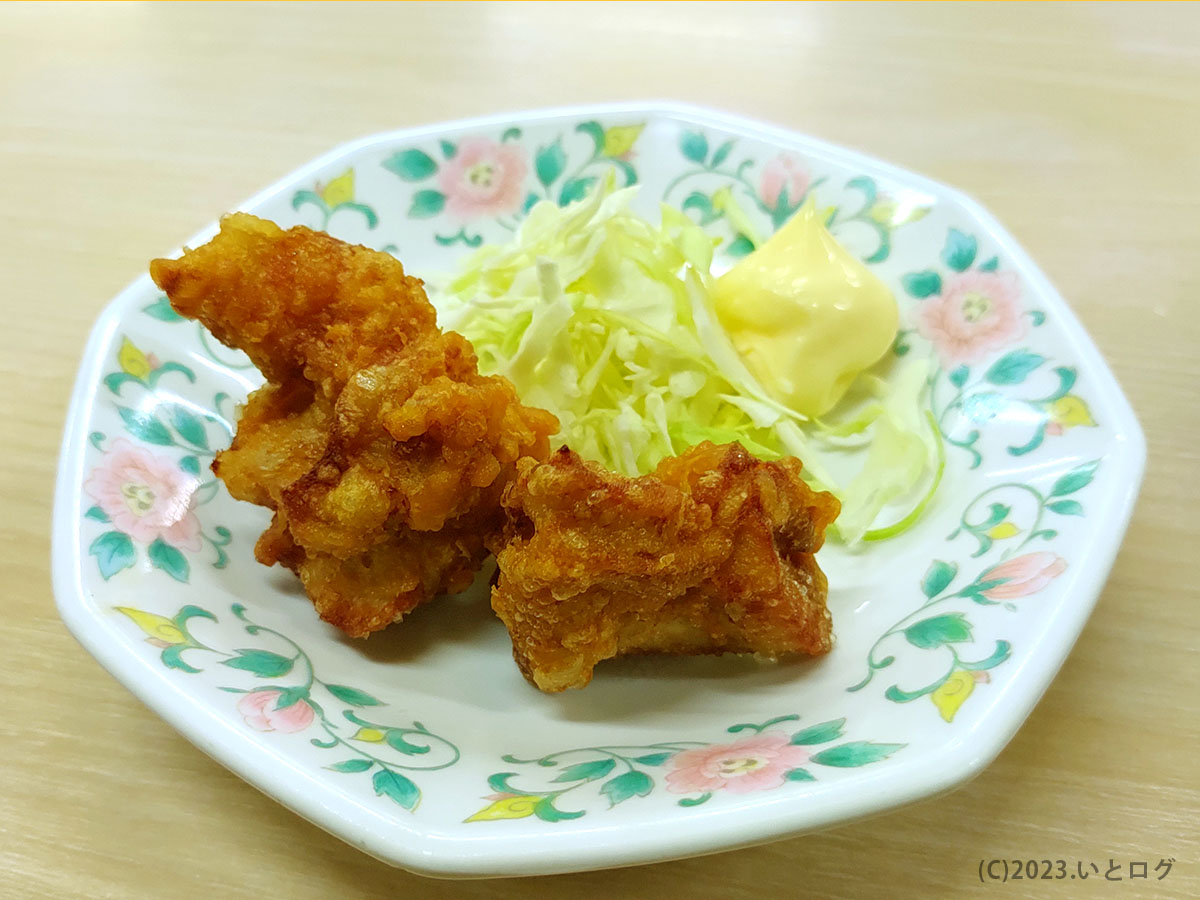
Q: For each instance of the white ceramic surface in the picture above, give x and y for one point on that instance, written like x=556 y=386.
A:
x=423 y=745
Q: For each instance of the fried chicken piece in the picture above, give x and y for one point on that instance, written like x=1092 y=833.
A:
x=710 y=553
x=381 y=449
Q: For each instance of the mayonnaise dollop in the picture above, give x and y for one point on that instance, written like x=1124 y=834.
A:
x=805 y=315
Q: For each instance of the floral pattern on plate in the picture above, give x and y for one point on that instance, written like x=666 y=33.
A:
x=1037 y=436
x=149 y=499
x=283 y=699
x=769 y=759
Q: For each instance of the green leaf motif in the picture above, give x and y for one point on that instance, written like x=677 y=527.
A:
x=165 y=557
x=627 y=170
x=191 y=465
x=854 y=754
x=997 y=513
x=531 y=200
x=575 y=189
x=550 y=162
x=97 y=514
x=172 y=658
x=397 y=788
x=959 y=376
x=190 y=426
x=696 y=801
x=990 y=265
x=351 y=765
x=292 y=695
x=587 y=771
x=411 y=165
x=395 y=739
x=922 y=284
x=1077 y=479
x=510 y=134
x=885 y=244
x=1066 y=507
x=949 y=628
x=959 y=251
x=192 y=612
x=702 y=204
x=819 y=734
x=363 y=210
x=548 y=812
x=740 y=246
x=1030 y=445
x=781 y=210
x=113 y=551
x=694 y=146
x=161 y=309
x=498 y=782
x=596 y=132
x=301 y=197
x=979 y=587
x=353 y=696
x=938 y=577
x=168 y=367
x=448 y=149
x=654 y=759
x=721 y=154
x=866 y=186
x=1066 y=381
x=631 y=784
x=1000 y=654
x=115 y=380
x=426 y=204
x=896 y=695
x=471 y=240
x=145 y=427
x=1013 y=367
x=262 y=663
x=763 y=726
x=799 y=775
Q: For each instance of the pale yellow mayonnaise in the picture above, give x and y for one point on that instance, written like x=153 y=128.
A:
x=805 y=315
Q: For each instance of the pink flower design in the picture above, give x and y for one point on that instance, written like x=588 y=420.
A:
x=977 y=312
x=1023 y=575
x=258 y=708
x=754 y=764
x=145 y=497
x=483 y=178
x=783 y=172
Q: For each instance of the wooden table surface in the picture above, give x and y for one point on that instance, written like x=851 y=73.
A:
x=123 y=128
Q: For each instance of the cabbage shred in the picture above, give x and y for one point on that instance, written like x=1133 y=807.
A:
x=607 y=321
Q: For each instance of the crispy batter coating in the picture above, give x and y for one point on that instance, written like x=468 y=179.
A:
x=379 y=446
x=710 y=553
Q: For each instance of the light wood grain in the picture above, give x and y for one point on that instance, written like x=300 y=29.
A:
x=125 y=127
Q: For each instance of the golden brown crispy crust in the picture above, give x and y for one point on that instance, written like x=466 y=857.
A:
x=710 y=553
x=299 y=303
x=378 y=444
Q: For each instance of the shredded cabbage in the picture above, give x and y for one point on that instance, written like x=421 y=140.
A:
x=607 y=321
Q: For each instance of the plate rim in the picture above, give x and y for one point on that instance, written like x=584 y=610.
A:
x=423 y=849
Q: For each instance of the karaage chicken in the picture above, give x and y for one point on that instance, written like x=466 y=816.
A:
x=381 y=449
x=710 y=553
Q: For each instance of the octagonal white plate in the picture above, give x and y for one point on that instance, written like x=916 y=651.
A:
x=423 y=745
